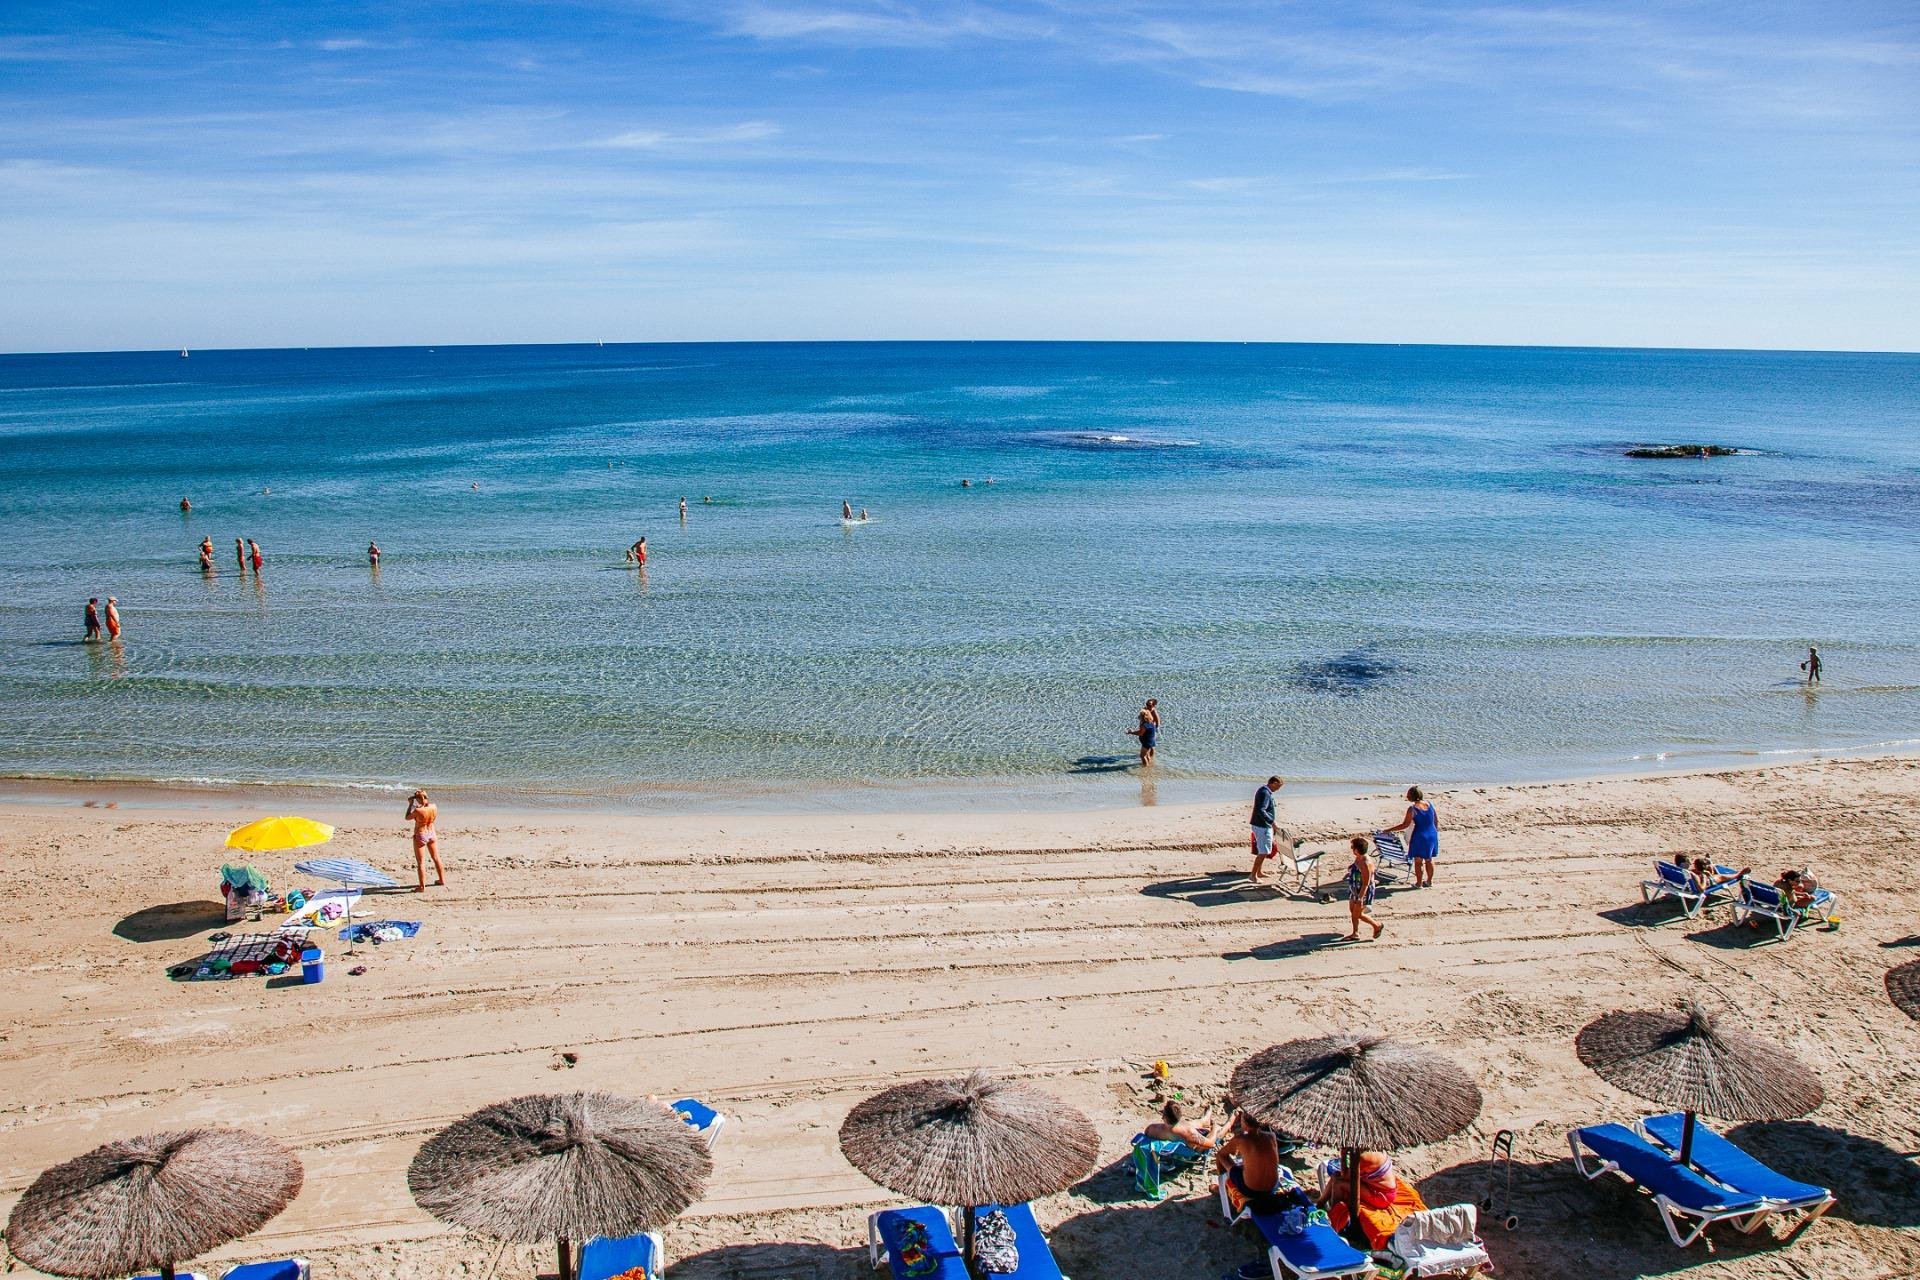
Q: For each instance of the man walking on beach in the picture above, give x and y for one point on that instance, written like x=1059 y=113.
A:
x=93 y=617
x=1263 y=825
x=113 y=619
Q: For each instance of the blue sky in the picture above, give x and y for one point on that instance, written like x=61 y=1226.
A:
x=1694 y=174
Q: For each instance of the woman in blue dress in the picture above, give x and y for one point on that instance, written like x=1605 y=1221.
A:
x=1423 y=844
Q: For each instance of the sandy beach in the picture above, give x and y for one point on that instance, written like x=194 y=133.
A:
x=781 y=969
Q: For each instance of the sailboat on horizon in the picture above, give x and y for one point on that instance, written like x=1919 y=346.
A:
x=183 y=353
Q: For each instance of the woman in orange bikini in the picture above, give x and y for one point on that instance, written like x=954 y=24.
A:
x=426 y=840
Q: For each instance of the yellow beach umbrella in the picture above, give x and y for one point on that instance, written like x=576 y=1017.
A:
x=279 y=833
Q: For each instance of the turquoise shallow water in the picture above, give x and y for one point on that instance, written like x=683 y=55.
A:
x=1346 y=563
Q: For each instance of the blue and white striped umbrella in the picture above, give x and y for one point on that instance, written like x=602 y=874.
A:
x=346 y=871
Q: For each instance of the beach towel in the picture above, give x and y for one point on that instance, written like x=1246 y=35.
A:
x=243 y=954
x=1380 y=1213
x=1157 y=1161
x=381 y=931
x=327 y=909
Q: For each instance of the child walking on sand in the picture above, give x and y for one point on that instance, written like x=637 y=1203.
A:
x=1360 y=887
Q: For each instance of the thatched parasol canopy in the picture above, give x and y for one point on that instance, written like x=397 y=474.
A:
x=1689 y=1059
x=563 y=1167
x=969 y=1142
x=1357 y=1091
x=151 y=1203
x=1903 y=985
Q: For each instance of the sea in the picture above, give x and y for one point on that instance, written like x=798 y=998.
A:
x=1352 y=565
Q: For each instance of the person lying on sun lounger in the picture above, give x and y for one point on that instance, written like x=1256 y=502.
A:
x=1385 y=1198
x=1705 y=878
x=1173 y=1126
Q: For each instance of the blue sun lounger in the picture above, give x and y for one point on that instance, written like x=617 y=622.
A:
x=602 y=1259
x=1671 y=882
x=1317 y=1253
x=283 y=1269
x=1687 y=1202
x=888 y=1228
x=705 y=1120
x=1728 y=1165
x=1766 y=902
x=1036 y=1255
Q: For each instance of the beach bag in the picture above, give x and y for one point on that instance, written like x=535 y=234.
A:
x=993 y=1245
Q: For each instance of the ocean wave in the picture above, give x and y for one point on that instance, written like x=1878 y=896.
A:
x=1107 y=440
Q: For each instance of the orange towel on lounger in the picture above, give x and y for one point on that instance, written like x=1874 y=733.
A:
x=1380 y=1212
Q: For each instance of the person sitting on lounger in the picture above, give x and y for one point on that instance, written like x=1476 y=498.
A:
x=1385 y=1198
x=1706 y=878
x=1173 y=1126
x=1250 y=1157
x=1803 y=893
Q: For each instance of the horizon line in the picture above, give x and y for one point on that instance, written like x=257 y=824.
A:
x=1109 y=342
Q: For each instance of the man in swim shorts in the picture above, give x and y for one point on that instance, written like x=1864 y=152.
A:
x=93 y=617
x=426 y=840
x=1263 y=823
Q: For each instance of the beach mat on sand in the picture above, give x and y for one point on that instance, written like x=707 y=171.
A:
x=242 y=955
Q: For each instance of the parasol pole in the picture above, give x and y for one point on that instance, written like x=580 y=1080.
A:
x=566 y=1269
x=966 y=1237
x=1686 y=1141
x=1350 y=1164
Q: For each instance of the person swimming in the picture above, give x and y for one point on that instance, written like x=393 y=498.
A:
x=846 y=510
x=864 y=517
x=373 y=554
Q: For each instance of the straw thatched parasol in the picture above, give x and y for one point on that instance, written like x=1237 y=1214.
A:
x=1903 y=987
x=1689 y=1059
x=1358 y=1091
x=151 y=1202
x=969 y=1142
x=564 y=1167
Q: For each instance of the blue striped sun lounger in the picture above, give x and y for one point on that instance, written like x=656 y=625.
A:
x=1317 y=1253
x=1671 y=882
x=703 y=1119
x=888 y=1233
x=1688 y=1203
x=1728 y=1165
x=1036 y=1255
x=280 y=1269
x=602 y=1259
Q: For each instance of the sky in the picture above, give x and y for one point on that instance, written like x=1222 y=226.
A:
x=344 y=173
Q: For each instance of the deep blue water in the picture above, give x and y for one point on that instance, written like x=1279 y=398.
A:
x=1342 y=562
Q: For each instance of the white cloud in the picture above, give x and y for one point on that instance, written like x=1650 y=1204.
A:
x=661 y=139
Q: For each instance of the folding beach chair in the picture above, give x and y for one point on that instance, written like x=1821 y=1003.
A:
x=1440 y=1242
x=1300 y=872
x=1688 y=1203
x=1391 y=863
x=1728 y=1165
x=1672 y=882
x=1036 y=1256
x=1762 y=901
x=705 y=1120
x=1157 y=1161
x=280 y=1269
x=914 y=1244
x=603 y=1259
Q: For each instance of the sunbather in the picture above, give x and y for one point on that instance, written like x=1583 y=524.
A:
x=1385 y=1198
x=1173 y=1126
x=1706 y=878
x=1250 y=1157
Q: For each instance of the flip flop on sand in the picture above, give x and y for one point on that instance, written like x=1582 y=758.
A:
x=1378 y=930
